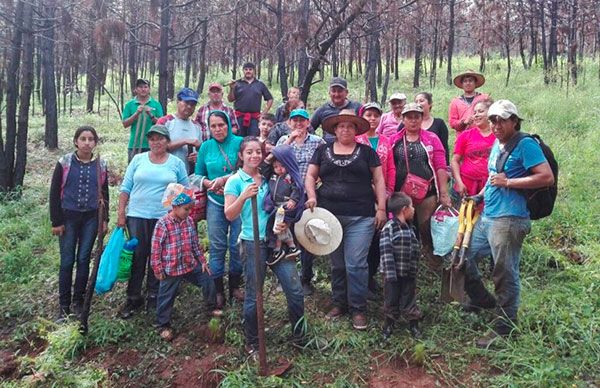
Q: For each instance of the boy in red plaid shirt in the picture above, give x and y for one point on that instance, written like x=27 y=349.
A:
x=175 y=257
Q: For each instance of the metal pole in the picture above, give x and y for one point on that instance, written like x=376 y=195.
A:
x=260 y=314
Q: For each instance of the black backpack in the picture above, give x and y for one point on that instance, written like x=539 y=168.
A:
x=540 y=202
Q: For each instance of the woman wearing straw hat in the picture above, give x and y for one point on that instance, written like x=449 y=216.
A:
x=460 y=112
x=352 y=184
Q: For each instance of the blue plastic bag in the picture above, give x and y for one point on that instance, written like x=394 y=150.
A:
x=444 y=228
x=109 y=262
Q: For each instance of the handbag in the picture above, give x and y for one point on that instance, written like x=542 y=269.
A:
x=414 y=186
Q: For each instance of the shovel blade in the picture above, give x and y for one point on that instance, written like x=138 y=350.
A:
x=453 y=286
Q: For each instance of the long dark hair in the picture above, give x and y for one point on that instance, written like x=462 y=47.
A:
x=83 y=129
x=244 y=144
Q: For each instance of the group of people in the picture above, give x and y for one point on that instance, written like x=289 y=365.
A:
x=381 y=176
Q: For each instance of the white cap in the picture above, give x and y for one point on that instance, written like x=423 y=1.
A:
x=397 y=96
x=504 y=109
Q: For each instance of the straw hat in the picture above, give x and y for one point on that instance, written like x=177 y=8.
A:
x=346 y=115
x=318 y=231
x=479 y=78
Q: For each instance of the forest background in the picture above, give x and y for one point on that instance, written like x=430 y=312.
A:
x=67 y=63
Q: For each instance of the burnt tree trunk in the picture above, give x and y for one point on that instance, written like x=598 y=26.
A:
x=163 y=58
x=450 y=43
x=281 y=46
x=202 y=58
x=303 y=60
x=49 y=81
x=418 y=52
x=572 y=43
x=544 y=44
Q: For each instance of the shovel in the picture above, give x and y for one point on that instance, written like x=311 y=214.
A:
x=450 y=283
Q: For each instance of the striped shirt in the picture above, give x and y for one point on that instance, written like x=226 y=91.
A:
x=400 y=250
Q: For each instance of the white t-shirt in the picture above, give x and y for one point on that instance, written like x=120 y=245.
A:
x=182 y=129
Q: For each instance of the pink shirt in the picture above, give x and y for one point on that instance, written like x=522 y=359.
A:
x=459 y=110
x=386 y=156
x=388 y=124
x=475 y=151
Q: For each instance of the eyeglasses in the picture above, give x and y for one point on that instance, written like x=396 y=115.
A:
x=497 y=120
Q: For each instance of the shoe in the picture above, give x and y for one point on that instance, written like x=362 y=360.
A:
x=359 y=321
x=308 y=289
x=293 y=253
x=77 y=309
x=413 y=328
x=276 y=256
x=166 y=333
x=238 y=295
x=63 y=314
x=220 y=303
x=387 y=332
x=488 y=340
x=235 y=291
x=129 y=309
x=252 y=351
x=334 y=313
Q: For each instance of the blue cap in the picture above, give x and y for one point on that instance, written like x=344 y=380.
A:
x=187 y=94
x=299 y=113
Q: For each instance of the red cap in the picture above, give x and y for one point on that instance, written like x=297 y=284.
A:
x=215 y=85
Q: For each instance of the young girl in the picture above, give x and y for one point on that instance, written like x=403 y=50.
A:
x=74 y=204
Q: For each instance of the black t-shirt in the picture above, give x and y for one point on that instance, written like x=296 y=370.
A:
x=346 y=188
x=418 y=162
x=248 y=95
x=441 y=130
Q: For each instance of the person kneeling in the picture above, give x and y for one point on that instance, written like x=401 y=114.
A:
x=400 y=252
x=175 y=257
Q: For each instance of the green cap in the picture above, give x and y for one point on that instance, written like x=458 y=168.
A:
x=299 y=113
x=160 y=129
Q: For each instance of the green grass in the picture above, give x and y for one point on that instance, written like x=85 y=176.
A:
x=558 y=331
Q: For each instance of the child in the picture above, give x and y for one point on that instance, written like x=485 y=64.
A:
x=74 y=203
x=264 y=125
x=285 y=189
x=174 y=257
x=400 y=252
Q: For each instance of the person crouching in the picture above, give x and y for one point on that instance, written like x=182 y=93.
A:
x=400 y=252
x=176 y=256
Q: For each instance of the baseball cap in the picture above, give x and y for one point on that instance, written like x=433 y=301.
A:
x=141 y=81
x=249 y=65
x=338 y=81
x=412 y=107
x=397 y=96
x=370 y=105
x=187 y=94
x=159 y=129
x=504 y=109
x=215 y=85
x=299 y=113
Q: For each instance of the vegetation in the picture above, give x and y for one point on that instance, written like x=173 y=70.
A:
x=558 y=331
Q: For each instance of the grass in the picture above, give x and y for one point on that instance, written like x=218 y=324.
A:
x=558 y=331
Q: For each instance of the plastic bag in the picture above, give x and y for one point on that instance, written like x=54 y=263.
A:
x=444 y=228
x=109 y=262
x=126 y=258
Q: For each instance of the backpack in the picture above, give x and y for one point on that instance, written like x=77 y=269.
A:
x=540 y=202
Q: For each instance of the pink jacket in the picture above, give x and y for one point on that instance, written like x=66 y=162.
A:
x=459 y=110
x=435 y=152
x=386 y=156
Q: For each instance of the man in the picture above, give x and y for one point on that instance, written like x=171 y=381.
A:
x=246 y=94
x=460 y=111
x=184 y=132
x=293 y=94
x=505 y=220
x=338 y=100
x=215 y=102
x=140 y=114
x=304 y=145
x=391 y=120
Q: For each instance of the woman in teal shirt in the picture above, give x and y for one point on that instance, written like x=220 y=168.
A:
x=216 y=161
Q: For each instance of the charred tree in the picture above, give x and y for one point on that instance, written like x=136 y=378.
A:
x=451 y=4
x=48 y=74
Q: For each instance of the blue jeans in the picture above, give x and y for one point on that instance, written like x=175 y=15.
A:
x=349 y=268
x=306 y=262
x=286 y=272
x=167 y=291
x=251 y=130
x=222 y=234
x=142 y=229
x=76 y=244
x=503 y=239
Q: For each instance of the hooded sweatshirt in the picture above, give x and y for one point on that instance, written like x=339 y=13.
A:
x=216 y=159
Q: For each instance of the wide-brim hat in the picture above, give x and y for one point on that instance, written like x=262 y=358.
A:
x=346 y=115
x=479 y=78
x=318 y=231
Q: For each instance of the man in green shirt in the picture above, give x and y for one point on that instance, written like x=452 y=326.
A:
x=140 y=114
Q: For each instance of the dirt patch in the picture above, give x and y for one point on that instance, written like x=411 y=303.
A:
x=400 y=373
x=198 y=372
x=8 y=364
x=31 y=346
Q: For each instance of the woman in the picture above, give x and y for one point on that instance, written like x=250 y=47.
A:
x=216 y=162
x=431 y=124
x=471 y=152
x=247 y=182
x=423 y=154
x=284 y=127
x=74 y=203
x=140 y=206
x=380 y=143
x=460 y=111
x=351 y=184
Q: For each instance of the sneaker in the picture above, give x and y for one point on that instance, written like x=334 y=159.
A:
x=277 y=255
x=488 y=340
x=308 y=289
x=413 y=328
x=129 y=309
x=387 y=332
x=334 y=313
x=166 y=333
x=252 y=351
x=359 y=321
x=77 y=309
x=292 y=253
x=63 y=314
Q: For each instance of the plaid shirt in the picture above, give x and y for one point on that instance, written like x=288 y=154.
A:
x=400 y=250
x=304 y=151
x=175 y=248
x=202 y=119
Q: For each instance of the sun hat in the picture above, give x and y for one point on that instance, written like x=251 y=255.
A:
x=346 y=115
x=215 y=85
x=338 y=81
x=187 y=94
x=504 y=109
x=370 y=105
x=318 y=231
x=299 y=113
x=412 y=107
x=479 y=78
x=160 y=129
x=397 y=96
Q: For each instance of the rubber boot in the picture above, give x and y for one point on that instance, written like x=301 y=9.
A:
x=235 y=292
x=388 y=328
x=220 y=298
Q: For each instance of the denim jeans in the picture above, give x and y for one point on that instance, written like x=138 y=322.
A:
x=306 y=262
x=503 y=239
x=349 y=268
x=251 y=130
x=142 y=229
x=222 y=234
x=286 y=273
x=167 y=291
x=76 y=245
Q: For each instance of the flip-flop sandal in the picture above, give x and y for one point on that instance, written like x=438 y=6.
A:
x=167 y=334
